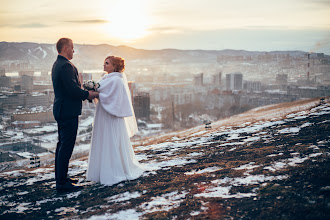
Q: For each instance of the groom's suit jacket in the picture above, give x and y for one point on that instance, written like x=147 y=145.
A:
x=67 y=90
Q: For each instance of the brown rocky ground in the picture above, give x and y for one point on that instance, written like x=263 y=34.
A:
x=274 y=168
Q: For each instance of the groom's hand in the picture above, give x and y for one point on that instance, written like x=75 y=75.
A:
x=96 y=94
x=92 y=95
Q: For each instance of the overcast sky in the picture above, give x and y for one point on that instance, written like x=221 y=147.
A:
x=263 y=25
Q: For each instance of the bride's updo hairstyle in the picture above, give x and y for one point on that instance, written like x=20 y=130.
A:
x=117 y=62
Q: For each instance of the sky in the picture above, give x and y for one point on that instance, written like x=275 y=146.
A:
x=255 y=25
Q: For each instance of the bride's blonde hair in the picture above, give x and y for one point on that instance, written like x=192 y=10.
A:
x=117 y=62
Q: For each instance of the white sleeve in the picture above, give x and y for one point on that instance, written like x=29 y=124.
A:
x=113 y=97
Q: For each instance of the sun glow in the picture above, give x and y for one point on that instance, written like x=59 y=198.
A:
x=128 y=20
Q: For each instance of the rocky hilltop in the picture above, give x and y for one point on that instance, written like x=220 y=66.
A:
x=268 y=163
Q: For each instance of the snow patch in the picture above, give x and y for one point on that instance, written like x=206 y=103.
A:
x=123 y=197
x=165 y=202
x=289 y=130
x=248 y=166
x=206 y=170
x=121 y=215
x=224 y=191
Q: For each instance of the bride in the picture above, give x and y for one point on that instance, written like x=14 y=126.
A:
x=111 y=157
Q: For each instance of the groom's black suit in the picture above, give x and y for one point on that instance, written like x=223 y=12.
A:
x=66 y=109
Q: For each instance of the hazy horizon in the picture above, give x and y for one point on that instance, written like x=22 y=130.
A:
x=325 y=50
x=154 y=25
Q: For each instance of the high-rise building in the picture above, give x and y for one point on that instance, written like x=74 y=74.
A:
x=198 y=80
x=141 y=104
x=17 y=88
x=2 y=72
x=234 y=81
x=252 y=86
x=182 y=98
x=217 y=79
x=282 y=79
x=5 y=81
x=27 y=83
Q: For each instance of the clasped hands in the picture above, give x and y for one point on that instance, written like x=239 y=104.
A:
x=92 y=95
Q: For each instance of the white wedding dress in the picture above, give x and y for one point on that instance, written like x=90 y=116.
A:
x=111 y=157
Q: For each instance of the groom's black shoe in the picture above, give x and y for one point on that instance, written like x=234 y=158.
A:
x=73 y=180
x=68 y=186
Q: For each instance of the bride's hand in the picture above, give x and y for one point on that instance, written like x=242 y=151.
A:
x=96 y=100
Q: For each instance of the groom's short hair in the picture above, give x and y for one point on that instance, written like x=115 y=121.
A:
x=61 y=43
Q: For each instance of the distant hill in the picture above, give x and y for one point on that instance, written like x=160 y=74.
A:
x=271 y=162
x=43 y=55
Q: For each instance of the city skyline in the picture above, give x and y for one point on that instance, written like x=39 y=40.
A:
x=210 y=25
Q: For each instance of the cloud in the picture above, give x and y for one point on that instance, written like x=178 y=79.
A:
x=95 y=21
x=282 y=27
x=32 y=25
x=162 y=29
x=322 y=2
x=316 y=4
x=166 y=29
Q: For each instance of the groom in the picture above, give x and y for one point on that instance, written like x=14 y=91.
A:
x=66 y=109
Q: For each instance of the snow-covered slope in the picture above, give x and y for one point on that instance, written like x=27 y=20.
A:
x=272 y=161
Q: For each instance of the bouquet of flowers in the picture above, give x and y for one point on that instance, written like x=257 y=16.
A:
x=90 y=85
